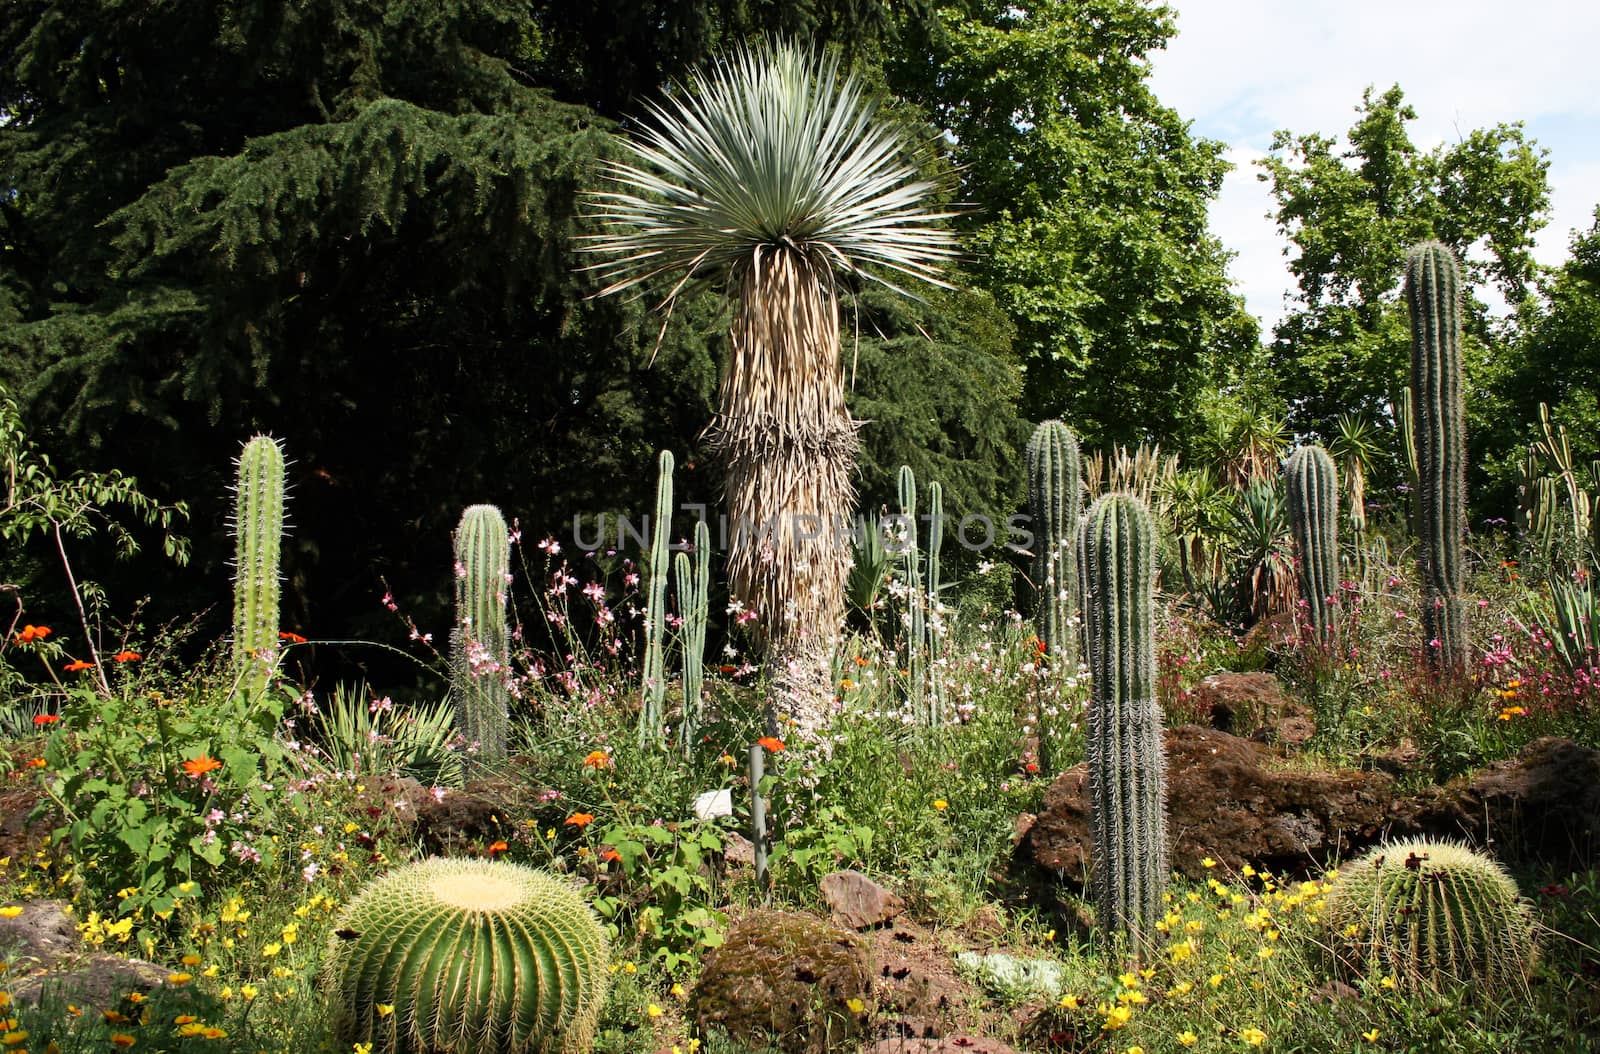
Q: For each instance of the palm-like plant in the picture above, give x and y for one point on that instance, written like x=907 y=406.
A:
x=772 y=171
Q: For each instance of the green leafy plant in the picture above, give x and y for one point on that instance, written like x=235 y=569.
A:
x=471 y=956
x=669 y=898
x=363 y=735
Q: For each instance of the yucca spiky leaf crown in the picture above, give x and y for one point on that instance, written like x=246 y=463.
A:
x=1432 y=914
x=474 y=956
x=772 y=146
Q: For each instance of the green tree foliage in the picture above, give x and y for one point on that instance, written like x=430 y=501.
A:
x=1562 y=350
x=1350 y=211
x=351 y=224
x=1091 y=226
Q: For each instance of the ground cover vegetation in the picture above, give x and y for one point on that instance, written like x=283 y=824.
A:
x=306 y=298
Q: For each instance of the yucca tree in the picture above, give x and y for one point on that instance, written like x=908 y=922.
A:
x=772 y=171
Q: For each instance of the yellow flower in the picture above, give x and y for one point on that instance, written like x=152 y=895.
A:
x=270 y=950
x=184 y=1019
x=1248 y=872
x=856 y=1006
x=214 y=1033
x=249 y=991
x=1253 y=1036
x=190 y=960
x=1128 y=980
x=191 y=1028
x=676 y=991
x=1134 y=1050
x=1215 y=980
x=629 y=967
x=1187 y=1039
x=10 y=911
x=1070 y=1002
x=385 y=1009
x=363 y=1048
x=122 y=1039
x=1370 y=1037
x=1183 y=987
x=1116 y=1017
x=1208 y=862
x=1387 y=982
x=11 y=1039
x=941 y=804
x=179 y=978
x=654 y=1011
x=1264 y=952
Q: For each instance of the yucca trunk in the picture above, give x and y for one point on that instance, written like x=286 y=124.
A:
x=788 y=446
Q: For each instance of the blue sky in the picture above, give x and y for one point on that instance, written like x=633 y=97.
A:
x=1239 y=69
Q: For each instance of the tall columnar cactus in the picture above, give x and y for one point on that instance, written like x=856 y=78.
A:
x=1055 y=496
x=1433 y=293
x=480 y=658
x=916 y=599
x=1432 y=915
x=468 y=956
x=1127 y=765
x=935 y=626
x=1313 y=489
x=694 y=593
x=654 y=687
x=258 y=537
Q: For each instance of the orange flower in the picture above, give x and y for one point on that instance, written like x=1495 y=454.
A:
x=772 y=744
x=863 y=661
x=126 y=656
x=46 y=719
x=122 y=1039
x=36 y=763
x=31 y=633
x=201 y=765
x=76 y=665
x=610 y=854
x=498 y=847
x=580 y=819
x=292 y=638
x=597 y=759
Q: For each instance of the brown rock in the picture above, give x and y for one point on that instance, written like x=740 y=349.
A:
x=1542 y=805
x=42 y=934
x=1253 y=705
x=98 y=980
x=473 y=817
x=957 y=1044
x=1232 y=800
x=857 y=901
x=918 y=993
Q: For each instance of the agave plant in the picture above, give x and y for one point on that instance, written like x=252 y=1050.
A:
x=772 y=172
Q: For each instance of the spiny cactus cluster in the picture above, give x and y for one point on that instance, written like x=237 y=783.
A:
x=258 y=538
x=1432 y=915
x=473 y=957
x=1055 y=495
x=1127 y=764
x=1313 y=492
x=480 y=647
x=1433 y=294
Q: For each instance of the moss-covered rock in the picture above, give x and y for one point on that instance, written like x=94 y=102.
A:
x=787 y=979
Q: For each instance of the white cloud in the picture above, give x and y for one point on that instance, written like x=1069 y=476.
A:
x=1243 y=68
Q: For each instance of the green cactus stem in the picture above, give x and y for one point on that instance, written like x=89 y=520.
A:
x=1433 y=294
x=258 y=538
x=480 y=661
x=694 y=600
x=1127 y=764
x=1055 y=496
x=1313 y=492
x=654 y=676
x=916 y=599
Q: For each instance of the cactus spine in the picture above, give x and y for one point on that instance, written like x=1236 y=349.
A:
x=258 y=538
x=1433 y=294
x=1127 y=766
x=694 y=591
x=469 y=956
x=481 y=658
x=1313 y=490
x=916 y=599
x=1432 y=915
x=1055 y=494
x=654 y=688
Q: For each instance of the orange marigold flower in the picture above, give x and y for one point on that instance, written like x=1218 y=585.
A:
x=580 y=819
x=123 y=1040
x=498 y=847
x=201 y=765
x=772 y=744
x=76 y=665
x=126 y=656
x=597 y=759
x=46 y=719
x=292 y=638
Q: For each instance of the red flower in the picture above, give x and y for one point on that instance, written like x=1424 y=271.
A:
x=727 y=669
x=126 y=656
x=41 y=720
x=772 y=744
x=31 y=633
x=498 y=847
x=77 y=665
x=201 y=765
x=580 y=819
x=610 y=854
x=292 y=638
